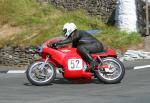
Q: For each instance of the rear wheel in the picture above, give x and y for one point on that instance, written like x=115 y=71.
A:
x=114 y=72
x=41 y=76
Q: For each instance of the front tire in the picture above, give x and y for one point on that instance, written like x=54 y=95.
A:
x=39 y=77
x=116 y=71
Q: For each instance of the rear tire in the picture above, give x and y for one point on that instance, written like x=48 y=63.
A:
x=108 y=77
x=34 y=75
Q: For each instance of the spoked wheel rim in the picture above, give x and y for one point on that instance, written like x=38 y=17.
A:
x=38 y=75
x=114 y=70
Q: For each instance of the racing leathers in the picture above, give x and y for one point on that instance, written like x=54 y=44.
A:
x=85 y=44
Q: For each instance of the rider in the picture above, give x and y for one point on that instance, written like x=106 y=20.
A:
x=83 y=41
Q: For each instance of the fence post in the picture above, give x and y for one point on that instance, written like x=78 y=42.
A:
x=147 y=18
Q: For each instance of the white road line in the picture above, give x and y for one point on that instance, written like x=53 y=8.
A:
x=16 y=71
x=141 y=67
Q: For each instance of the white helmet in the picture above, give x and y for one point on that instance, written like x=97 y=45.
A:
x=69 y=28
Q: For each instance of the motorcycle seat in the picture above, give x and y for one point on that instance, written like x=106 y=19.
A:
x=102 y=52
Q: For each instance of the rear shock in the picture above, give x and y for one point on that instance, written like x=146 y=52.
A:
x=100 y=60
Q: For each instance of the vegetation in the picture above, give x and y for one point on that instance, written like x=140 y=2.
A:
x=40 y=22
x=114 y=38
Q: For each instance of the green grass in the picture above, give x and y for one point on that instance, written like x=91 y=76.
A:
x=43 y=21
x=114 y=38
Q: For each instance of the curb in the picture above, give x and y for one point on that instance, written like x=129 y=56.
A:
x=19 y=71
x=13 y=71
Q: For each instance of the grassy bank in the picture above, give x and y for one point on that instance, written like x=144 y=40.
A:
x=40 y=22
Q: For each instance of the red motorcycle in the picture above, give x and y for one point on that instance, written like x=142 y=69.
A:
x=68 y=61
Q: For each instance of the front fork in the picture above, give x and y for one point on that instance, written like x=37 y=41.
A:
x=45 y=62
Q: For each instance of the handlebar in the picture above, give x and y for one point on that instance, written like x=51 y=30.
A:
x=53 y=45
x=33 y=50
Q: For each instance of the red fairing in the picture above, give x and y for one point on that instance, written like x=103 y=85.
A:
x=56 y=55
x=69 y=59
x=74 y=64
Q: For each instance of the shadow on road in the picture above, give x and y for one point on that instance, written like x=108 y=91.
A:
x=71 y=81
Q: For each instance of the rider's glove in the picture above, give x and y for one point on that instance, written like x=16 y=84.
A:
x=49 y=45
x=53 y=45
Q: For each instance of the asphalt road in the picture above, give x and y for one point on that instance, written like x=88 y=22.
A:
x=134 y=88
x=131 y=64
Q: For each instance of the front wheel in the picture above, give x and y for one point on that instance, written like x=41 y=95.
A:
x=114 y=72
x=40 y=75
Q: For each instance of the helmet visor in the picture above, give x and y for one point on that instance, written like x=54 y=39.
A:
x=65 y=31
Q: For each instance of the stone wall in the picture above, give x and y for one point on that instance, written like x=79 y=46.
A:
x=141 y=16
x=101 y=8
x=15 y=56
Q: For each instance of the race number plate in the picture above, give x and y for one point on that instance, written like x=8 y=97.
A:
x=75 y=64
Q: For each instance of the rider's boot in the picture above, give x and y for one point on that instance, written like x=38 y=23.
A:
x=93 y=64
